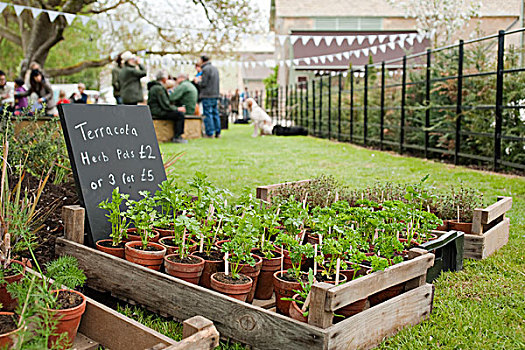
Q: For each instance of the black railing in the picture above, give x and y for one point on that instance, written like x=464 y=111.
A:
x=463 y=103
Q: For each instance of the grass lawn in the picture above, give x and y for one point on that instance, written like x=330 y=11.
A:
x=481 y=307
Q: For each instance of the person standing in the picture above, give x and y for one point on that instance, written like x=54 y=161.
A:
x=185 y=94
x=235 y=104
x=129 y=79
x=245 y=96
x=209 y=92
x=114 y=79
x=80 y=96
x=6 y=93
x=159 y=104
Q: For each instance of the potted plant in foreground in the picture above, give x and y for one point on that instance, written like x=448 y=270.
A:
x=182 y=265
x=119 y=225
x=143 y=252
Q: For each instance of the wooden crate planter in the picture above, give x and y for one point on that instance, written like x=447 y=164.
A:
x=259 y=327
x=490 y=230
x=102 y=326
x=265 y=192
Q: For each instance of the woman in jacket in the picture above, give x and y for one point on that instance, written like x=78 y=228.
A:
x=39 y=85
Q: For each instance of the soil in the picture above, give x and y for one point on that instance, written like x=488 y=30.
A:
x=214 y=255
x=289 y=277
x=109 y=244
x=149 y=248
x=221 y=277
x=170 y=242
x=7 y=323
x=186 y=260
x=53 y=198
x=12 y=270
x=258 y=253
x=67 y=300
x=320 y=277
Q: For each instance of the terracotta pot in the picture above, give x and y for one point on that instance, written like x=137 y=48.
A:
x=218 y=244
x=8 y=303
x=465 y=227
x=386 y=294
x=150 y=259
x=312 y=238
x=253 y=273
x=413 y=242
x=237 y=291
x=283 y=289
x=164 y=232
x=187 y=272
x=132 y=237
x=295 y=311
x=210 y=267
x=7 y=339
x=287 y=261
x=115 y=251
x=68 y=321
x=175 y=250
x=264 y=287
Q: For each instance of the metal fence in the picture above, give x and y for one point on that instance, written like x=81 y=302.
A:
x=463 y=103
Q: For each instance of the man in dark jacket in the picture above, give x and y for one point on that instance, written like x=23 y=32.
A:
x=185 y=94
x=209 y=93
x=159 y=104
x=129 y=79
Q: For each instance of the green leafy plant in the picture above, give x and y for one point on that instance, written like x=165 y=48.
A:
x=116 y=216
x=142 y=214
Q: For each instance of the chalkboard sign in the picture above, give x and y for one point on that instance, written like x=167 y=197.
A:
x=110 y=146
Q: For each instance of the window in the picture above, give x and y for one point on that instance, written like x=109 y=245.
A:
x=349 y=23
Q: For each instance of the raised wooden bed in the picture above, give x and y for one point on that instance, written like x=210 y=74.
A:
x=265 y=192
x=490 y=230
x=262 y=328
x=103 y=326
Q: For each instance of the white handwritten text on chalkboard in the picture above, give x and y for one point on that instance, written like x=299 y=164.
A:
x=100 y=132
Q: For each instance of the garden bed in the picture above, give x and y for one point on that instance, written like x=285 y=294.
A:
x=263 y=328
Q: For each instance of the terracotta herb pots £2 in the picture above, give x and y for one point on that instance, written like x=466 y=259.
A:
x=295 y=311
x=68 y=321
x=132 y=236
x=106 y=246
x=7 y=339
x=151 y=259
x=238 y=291
x=8 y=303
x=253 y=273
x=264 y=287
x=189 y=272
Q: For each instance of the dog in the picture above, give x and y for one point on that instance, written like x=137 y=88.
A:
x=262 y=123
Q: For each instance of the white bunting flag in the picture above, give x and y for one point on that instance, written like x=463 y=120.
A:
x=220 y=35
x=373 y=50
x=18 y=9
x=401 y=44
x=288 y=63
x=346 y=55
x=345 y=74
x=69 y=17
x=52 y=15
x=360 y=39
x=392 y=45
x=328 y=39
x=296 y=62
x=282 y=39
x=381 y=38
x=293 y=39
x=372 y=39
x=365 y=52
x=253 y=63
x=306 y=60
x=357 y=53
x=392 y=37
x=382 y=47
x=322 y=59
x=305 y=39
x=420 y=38
x=403 y=37
x=315 y=60
x=339 y=56
x=330 y=58
x=350 y=40
x=410 y=40
x=339 y=40
x=2 y=6
x=317 y=40
x=101 y=23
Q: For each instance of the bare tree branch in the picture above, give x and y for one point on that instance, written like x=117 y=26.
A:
x=104 y=10
x=55 y=72
x=10 y=35
x=197 y=2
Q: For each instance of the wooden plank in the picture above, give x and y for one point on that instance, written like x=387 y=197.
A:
x=473 y=248
x=317 y=315
x=206 y=339
x=73 y=218
x=264 y=192
x=234 y=319
x=362 y=287
x=368 y=328
x=477 y=226
x=116 y=331
x=194 y=325
x=496 y=237
x=84 y=343
x=495 y=210
x=265 y=304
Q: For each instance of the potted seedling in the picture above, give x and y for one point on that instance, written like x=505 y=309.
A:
x=457 y=207
x=142 y=215
x=181 y=264
x=299 y=303
x=331 y=261
x=172 y=201
x=231 y=282
x=285 y=282
x=119 y=224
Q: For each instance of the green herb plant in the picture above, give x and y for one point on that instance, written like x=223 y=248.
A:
x=116 y=216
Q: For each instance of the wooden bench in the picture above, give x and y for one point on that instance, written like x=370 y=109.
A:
x=192 y=128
